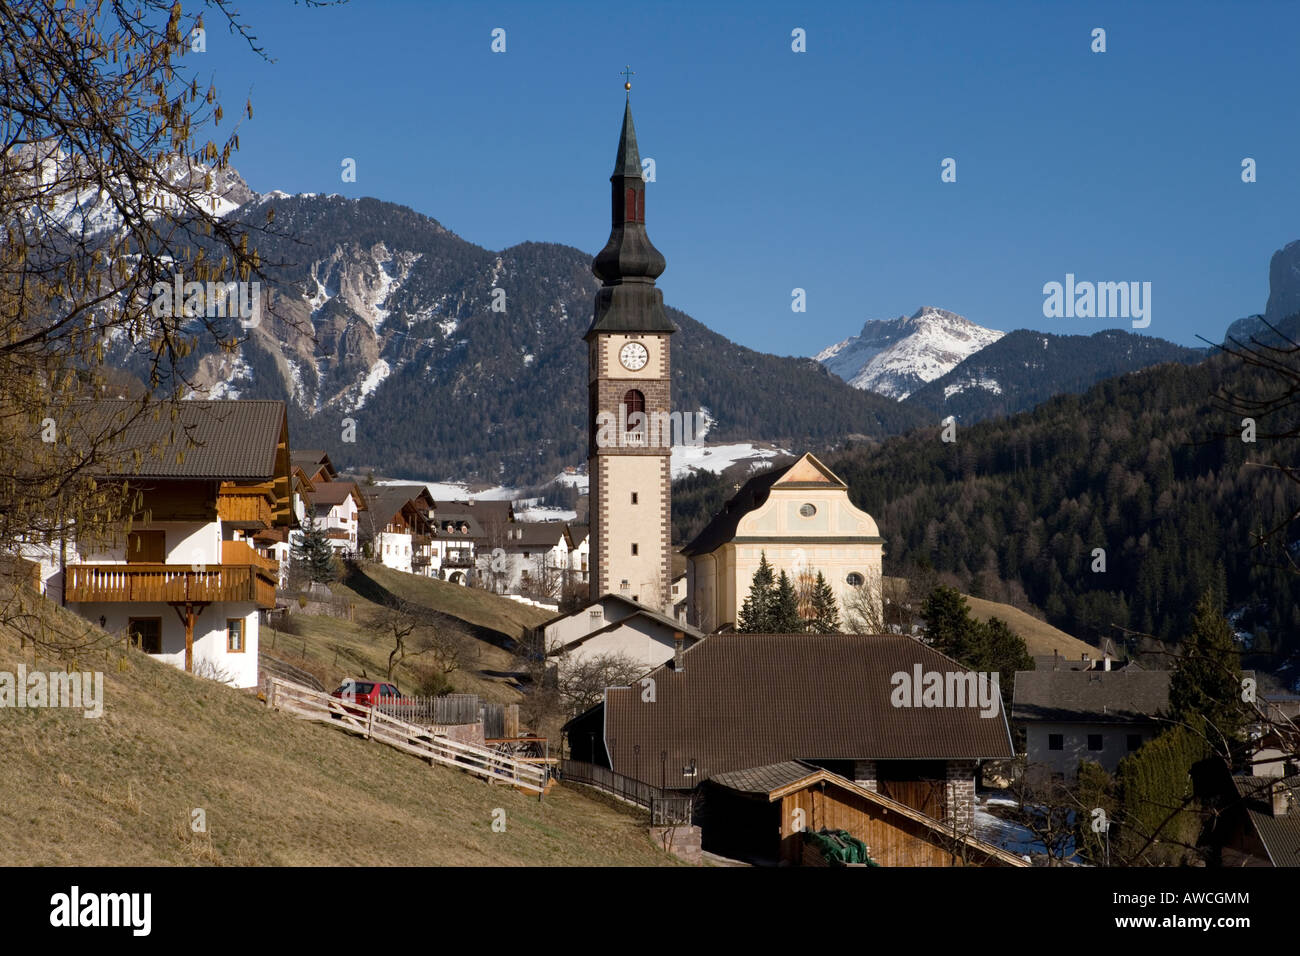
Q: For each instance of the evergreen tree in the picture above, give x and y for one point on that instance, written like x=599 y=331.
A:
x=786 y=618
x=312 y=552
x=949 y=628
x=1205 y=691
x=757 y=613
x=826 y=616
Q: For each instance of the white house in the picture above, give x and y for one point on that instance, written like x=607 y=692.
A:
x=187 y=585
x=579 y=544
x=338 y=507
x=397 y=527
x=615 y=625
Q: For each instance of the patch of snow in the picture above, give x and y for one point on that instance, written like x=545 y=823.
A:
x=687 y=459
x=373 y=379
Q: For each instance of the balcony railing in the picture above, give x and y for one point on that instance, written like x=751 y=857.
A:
x=141 y=583
x=458 y=559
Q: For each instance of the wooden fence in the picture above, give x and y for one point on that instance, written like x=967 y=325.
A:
x=450 y=709
x=666 y=808
x=421 y=741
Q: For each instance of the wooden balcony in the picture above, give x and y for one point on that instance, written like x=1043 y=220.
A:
x=172 y=583
x=245 y=506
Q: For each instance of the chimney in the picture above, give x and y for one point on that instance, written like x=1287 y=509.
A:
x=679 y=639
x=1279 y=798
x=1105 y=664
x=1087 y=662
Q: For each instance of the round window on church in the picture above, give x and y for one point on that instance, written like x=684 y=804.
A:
x=808 y=510
x=854 y=579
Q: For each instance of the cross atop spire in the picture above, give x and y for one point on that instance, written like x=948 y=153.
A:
x=627 y=75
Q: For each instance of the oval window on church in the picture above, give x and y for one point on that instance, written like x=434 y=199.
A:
x=808 y=510
x=854 y=579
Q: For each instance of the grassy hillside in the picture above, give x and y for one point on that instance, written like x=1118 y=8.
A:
x=120 y=789
x=1039 y=636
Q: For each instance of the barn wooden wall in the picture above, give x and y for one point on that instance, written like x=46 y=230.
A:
x=891 y=839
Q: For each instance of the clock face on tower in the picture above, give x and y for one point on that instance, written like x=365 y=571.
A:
x=633 y=356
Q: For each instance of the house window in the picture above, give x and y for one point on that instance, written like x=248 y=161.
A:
x=855 y=580
x=1094 y=741
x=634 y=549
x=1055 y=741
x=145 y=633
x=235 y=635
x=634 y=497
x=1134 y=741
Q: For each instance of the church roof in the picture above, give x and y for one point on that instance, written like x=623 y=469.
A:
x=628 y=265
x=722 y=528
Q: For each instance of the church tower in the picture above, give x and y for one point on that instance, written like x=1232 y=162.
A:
x=629 y=442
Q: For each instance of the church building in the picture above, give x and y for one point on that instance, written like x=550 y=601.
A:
x=801 y=518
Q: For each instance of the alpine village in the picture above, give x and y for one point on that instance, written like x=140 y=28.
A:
x=1048 y=643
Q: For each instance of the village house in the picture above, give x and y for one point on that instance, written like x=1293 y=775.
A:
x=578 y=541
x=397 y=527
x=614 y=624
x=1096 y=714
x=801 y=518
x=734 y=702
x=338 y=507
x=454 y=537
x=186 y=585
x=532 y=556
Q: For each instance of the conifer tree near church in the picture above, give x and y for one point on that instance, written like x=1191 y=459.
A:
x=758 y=612
x=825 y=615
x=786 y=618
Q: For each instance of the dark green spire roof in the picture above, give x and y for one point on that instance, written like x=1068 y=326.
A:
x=629 y=264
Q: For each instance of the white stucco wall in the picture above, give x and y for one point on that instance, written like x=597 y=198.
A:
x=209 y=633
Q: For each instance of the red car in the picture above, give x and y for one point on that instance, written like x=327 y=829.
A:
x=367 y=693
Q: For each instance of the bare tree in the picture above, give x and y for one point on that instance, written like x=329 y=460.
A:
x=582 y=681
x=111 y=192
x=864 y=606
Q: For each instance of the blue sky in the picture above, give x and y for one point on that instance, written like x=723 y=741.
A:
x=818 y=170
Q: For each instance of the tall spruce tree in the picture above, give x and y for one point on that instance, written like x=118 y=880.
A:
x=758 y=612
x=312 y=552
x=826 y=615
x=1205 y=690
x=786 y=618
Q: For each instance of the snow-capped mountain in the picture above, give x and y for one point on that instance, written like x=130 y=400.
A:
x=895 y=357
x=400 y=346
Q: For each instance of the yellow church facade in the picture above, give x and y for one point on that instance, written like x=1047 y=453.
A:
x=801 y=518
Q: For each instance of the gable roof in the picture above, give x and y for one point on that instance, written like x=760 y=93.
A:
x=386 y=501
x=690 y=634
x=331 y=493
x=807 y=471
x=1280 y=835
x=775 y=781
x=213 y=439
x=746 y=700
x=497 y=510
x=1116 y=696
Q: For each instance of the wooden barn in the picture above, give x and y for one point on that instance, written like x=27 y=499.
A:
x=760 y=815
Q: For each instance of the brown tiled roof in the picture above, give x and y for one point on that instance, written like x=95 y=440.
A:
x=386 y=501
x=331 y=493
x=1280 y=835
x=1116 y=696
x=746 y=700
x=723 y=526
x=764 y=779
x=235 y=440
